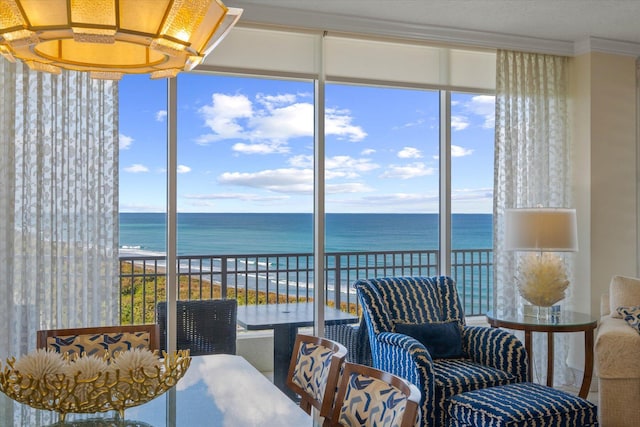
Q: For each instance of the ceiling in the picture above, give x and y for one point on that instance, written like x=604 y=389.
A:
x=556 y=26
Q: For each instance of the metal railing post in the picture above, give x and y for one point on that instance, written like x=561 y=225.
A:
x=223 y=277
x=337 y=281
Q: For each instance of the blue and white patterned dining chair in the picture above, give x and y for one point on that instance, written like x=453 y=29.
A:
x=97 y=340
x=417 y=331
x=369 y=397
x=314 y=371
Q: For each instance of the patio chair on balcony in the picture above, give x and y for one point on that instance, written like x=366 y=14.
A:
x=355 y=338
x=95 y=340
x=203 y=326
x=417 y=331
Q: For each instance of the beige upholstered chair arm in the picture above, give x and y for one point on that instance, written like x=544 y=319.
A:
x=617 y=348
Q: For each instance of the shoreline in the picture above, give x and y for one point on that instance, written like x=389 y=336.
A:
x=138 y=299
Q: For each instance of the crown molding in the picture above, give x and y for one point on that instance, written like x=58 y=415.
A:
x=594 y=44
x=320 y=21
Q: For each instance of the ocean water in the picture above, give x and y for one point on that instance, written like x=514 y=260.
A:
x=266 y=233
x=234 y=235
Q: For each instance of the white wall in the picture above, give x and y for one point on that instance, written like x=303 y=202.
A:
x=606 y=167
x=604 y=112
x=580 y=107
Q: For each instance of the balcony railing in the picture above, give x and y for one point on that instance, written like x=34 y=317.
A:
x=276 y=278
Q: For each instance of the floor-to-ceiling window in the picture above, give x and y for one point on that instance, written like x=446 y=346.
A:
x=246 y=164
x=382 y=183
x=245 y=183
x=245 y=175
x=472 y=153
x=142 y=195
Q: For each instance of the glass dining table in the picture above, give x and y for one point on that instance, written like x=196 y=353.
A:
x=216 y=391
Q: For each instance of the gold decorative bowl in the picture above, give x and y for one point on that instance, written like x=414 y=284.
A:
x=106 y=391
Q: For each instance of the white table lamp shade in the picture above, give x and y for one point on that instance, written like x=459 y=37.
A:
x=541 y=229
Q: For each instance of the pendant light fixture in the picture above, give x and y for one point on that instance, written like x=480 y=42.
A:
x=110 y=38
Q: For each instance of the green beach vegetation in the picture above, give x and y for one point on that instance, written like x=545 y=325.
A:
x=141 y=289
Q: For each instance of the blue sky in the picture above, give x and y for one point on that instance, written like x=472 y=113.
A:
x=246 y=145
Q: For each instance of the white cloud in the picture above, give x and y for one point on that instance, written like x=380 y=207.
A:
x=479 y=105
x=348 y=187
x=411 y=170
x=417 y=122
x=124 y=142
x=472 y=200
x=161 y=115
x=337 y=166
x=286 y=180
x=410 y=202
x=457 y=151
x=338 y=122
x=484 y=105
x=400 y=198
x=410 y=153
x=137 y=207
x=272 y=120
x=183 y=169
x=235 y=196
x=301 y=161
x=271 y=101
x=222 y=116
x=368 y=151
x=234 y=117
x=348 y=166
x=282 y=123
x=136 y=168
x=459 y=122
x=470 y=194
x=260 y=148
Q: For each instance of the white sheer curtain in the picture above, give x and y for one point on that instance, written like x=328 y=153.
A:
x=58 y=204
x=532 y=168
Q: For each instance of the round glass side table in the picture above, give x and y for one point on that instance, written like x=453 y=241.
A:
x=564 y=321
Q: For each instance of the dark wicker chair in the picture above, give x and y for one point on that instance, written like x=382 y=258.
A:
x=203 y=326
x=355 y=338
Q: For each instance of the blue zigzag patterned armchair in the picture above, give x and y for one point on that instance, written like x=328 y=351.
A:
x=486 y=357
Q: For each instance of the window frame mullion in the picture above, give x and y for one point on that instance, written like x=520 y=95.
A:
x=445 y=184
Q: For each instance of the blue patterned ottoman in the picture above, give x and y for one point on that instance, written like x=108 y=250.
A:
x=520 y=405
